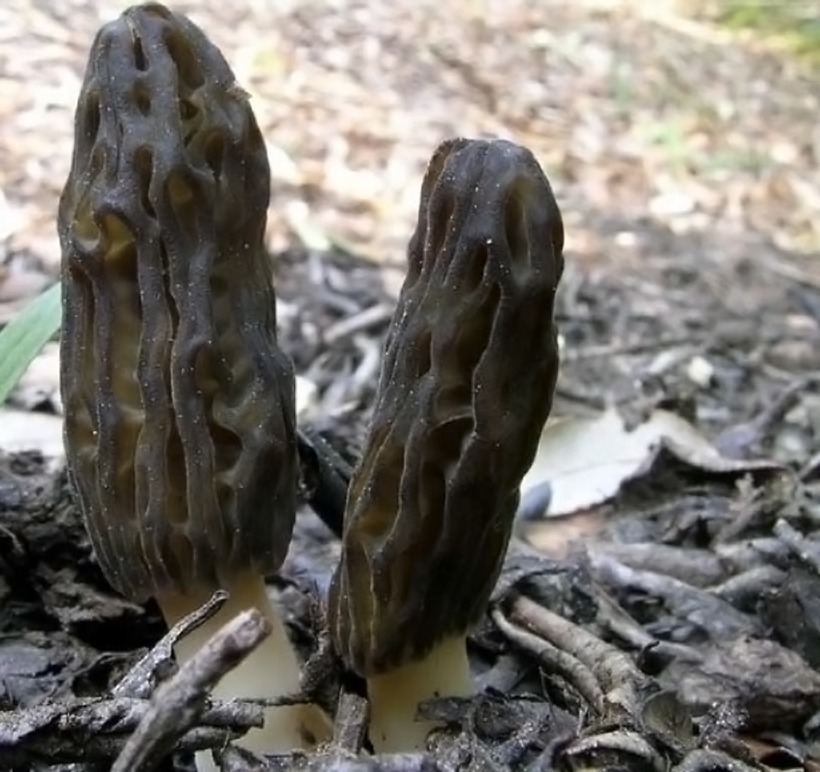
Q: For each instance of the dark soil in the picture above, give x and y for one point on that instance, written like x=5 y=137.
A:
x=680 y=632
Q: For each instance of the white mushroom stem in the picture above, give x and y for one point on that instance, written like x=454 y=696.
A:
x=271 y=670
x=395 y=696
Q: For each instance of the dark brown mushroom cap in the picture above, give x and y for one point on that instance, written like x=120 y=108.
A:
x=467 y=381
x=180 y=412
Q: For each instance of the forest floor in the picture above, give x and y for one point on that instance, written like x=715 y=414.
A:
x=685 y=157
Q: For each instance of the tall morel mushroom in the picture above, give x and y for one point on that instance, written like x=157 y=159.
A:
x=179 y=404
x=466 y=385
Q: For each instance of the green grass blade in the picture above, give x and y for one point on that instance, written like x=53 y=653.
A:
x=25 y=335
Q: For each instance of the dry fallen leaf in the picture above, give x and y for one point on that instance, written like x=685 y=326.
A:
x=587 y=459
x=22 y=431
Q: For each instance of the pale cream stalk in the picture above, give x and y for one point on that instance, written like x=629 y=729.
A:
x=271 y=670
x=395 y=696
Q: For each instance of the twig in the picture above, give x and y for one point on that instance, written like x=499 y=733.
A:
x=364 y=320
x=621 y=744
x=625 y=349
x=716 y=617
x=613 y=618
x=179 y=703
x=788 y=271
x=154 y=667
x=618 y=677
x=745 y=589
x=95 y=730
x=805 y=550
x=553 y=660
x=351 y=722
x=737 y=441
x=367 y=372
x=810 y=468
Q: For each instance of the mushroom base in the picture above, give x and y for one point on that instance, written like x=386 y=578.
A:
x=271 y=670
x=395 y=696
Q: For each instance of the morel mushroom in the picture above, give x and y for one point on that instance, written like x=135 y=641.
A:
x=466 y=385
x=179 y=404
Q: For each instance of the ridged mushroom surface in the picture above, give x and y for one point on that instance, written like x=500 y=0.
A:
x=468 y=376
x=180 y=420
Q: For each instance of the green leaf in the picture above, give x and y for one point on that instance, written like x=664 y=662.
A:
x=25 y=335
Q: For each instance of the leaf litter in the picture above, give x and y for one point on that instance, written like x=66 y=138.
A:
x=586 y=460
x=672 y=622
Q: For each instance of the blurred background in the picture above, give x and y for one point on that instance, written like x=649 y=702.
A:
x=681 y=137
x=699 y=116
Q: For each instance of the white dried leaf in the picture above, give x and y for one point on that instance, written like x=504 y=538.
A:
x=587 y=459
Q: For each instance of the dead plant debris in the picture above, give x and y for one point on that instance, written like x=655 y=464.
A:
x=672 y=624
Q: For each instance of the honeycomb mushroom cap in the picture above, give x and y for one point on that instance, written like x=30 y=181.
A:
x=180 y=417
x=467 y=381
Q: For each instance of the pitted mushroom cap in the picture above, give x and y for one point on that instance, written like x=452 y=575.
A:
x=180 y=418
x=467 y=382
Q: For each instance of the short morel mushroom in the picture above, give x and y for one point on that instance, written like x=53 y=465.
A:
x=179 y=404
x=466 y=385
